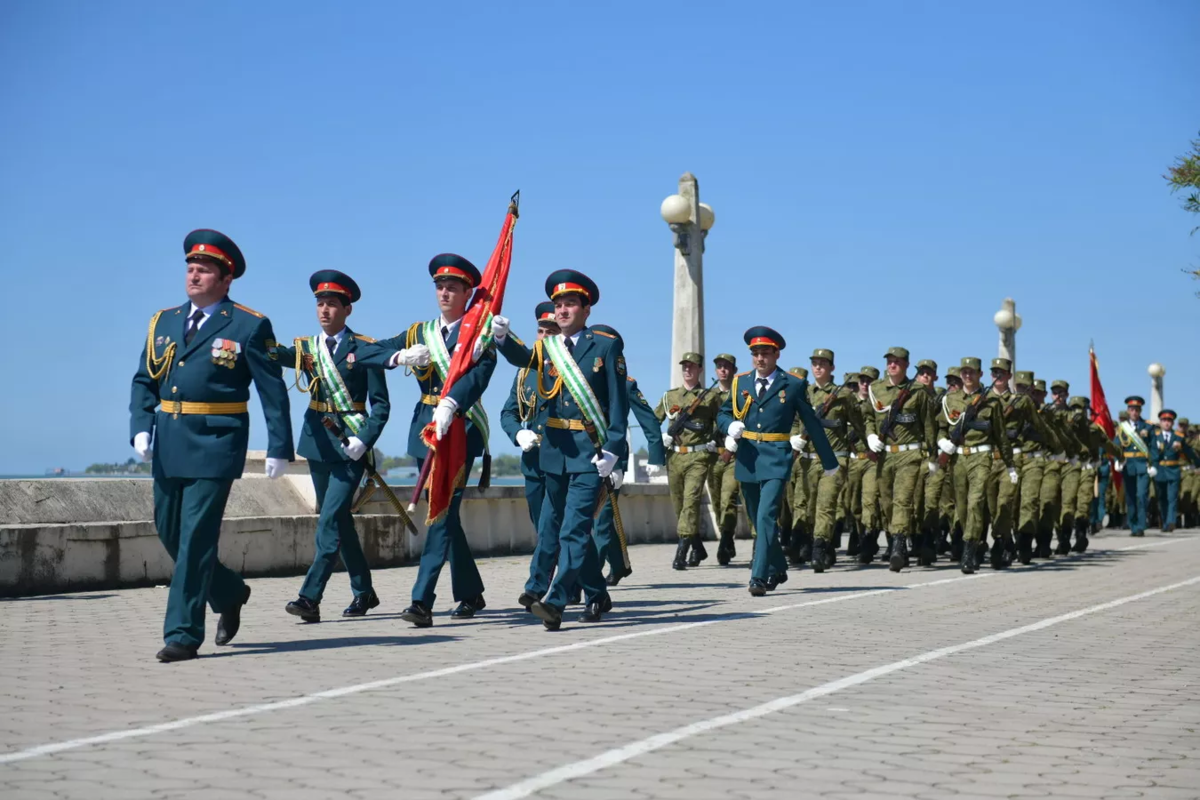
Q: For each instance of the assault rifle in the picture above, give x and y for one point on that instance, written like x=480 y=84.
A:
x=885 y=430
x=675 y=429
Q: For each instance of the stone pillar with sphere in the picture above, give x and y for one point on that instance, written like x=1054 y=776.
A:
x=1157 y=371
x=1008 y=321
x=690 y=221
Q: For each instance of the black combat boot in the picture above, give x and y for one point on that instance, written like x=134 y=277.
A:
x=956 y=545
x=968 y=557
x=854 y=540
x=1081 y=535
x=926 y=554
x=1025 y=547
x=725 y=549
x=818 y=555
x=1042 y=550
x=868 y=547
x=699 y=553
x=681 y=552
x=999 y=553
x=837 y=533
x=899 y=555
x=1064 y=542
x=943 y=545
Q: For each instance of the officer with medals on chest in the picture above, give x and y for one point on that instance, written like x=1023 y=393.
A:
x=583 y=395
x=188 y=411
x=1133 y=439
x=757 y=422
x=1168 y=454
x=426 y=349
x=339 y=391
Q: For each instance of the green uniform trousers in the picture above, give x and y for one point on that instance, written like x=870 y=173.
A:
x=723 y=494
x=869 y=495
x=335 y=484
x=1068 y=496
x=187 y=514
x=935 y=486
x=947 y=508
x=896 y=474
x=1002 y=500
x=1048 y=497
x=919 y=500
x=686 y=474
x=1086 y=493
x=823 y=493
x=799 y=489
x=970 y=489
x=1029 y=492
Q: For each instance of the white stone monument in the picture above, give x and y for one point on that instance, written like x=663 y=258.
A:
x=1157 y=371
x=1009 y=322
x=690 y=221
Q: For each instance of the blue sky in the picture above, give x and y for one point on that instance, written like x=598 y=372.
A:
x=882 y=173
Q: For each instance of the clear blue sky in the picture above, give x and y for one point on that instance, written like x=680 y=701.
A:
x=882 y=173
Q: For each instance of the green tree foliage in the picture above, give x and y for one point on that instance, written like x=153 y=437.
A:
x=1184 y=176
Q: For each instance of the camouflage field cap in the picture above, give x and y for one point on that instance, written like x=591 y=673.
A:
x=953 y=373
x=927 y=363
x=897 y=352
x=970 y=362
x=852 y=377
x=1078 y=402
x=799 y=372
x=1183 y=422
x=1024 y=377
x=1002 y=363
x=1123 y=416
x=1066 y=387
x=726 y=357
x=869 y=372
x=693 y=358
x=1039 y=385
x=821 y=352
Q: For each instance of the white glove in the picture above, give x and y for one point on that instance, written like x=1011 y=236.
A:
x=829 y=473
x=276 y=467
x=1118 y=466
x=618 y=478
x=1152 y=471
x=798 y=442
x=731 y=444
x=875 y=443
x=526 y=440
x=946 y=446
x=141 y=446
x=499 y=328
x=668 y=442
x=711 y=447
x=1013 y=476
x=354 y=448
x=736 y=428
x=604 y=462
x=931 y=466
x=415 y=356
x=443 y=415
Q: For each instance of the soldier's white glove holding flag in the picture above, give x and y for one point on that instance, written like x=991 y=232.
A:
x=499 y=328
x=526 y=440
x=141 y=446
x=875 y=443
x=443 y=415
x=415 y=356
x=618 y=478
x=1152 y=471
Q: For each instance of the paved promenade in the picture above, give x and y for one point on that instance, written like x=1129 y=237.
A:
x=1075 y=678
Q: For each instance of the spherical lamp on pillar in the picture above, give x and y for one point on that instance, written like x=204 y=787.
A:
x=1156 y=371
x=690 y=221
x=1008 y=321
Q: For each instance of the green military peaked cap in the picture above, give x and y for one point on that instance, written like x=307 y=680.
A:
x=332 y=282
x=544 y=311
x=1066 y=387
x=897 y=352
x=799 y=372
x=1024 y=377
x=970 y=362
x=1166 y=413
x=1002 y=363
x=1039 y=384
x=821 y=352
x=694 y=358
x=953 y=373
x=207 y=243
x=870 y=372
x=726 y=357
x=927 y=363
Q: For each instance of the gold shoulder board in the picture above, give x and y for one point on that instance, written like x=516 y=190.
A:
x=241 y=307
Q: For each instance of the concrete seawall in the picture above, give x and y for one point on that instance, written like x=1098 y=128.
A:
x=70 y=535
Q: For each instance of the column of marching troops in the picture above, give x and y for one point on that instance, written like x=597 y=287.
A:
x=934 y=470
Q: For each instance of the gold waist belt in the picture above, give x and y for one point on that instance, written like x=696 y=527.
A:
x=431 y=399
x=326 y=408
x=184 y=407
x=565 y=424
x=754 y=436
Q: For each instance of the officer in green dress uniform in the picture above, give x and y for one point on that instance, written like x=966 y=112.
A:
x=1168 y=453
x=870 y=522
x=970 y=433
x=583 y=393
x=901 y=430
x=426 y=349
x=722 y=480
x=1133 y=438
x=757 y=423
x=341 y=392
x=188 y=410
x=690 y=454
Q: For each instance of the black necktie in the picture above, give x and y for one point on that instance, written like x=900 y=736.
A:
x=331 y=343
x=445 y=333
x=193 y=326
x=762 y=386
x=570 y=345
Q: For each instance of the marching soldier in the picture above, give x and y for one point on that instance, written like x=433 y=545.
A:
x=1016 y=412
x=839 y=414
x=1189 y=487
x=691 y=452
x=1168 y=453
x=851 y=500
x=757 y=422
x=1097 y=447
x=188 y=410
x=928 y=490
x=1133 y=438
x=1056 y=450
x=722 y=482
x=901 y=431
x=864 y=464
x=794 y=533
x=582 y=393
x=1060 y=479
x=949 y=521
x=1030 y=437
x=426 y=349
x=340 y=392
x=971 y=431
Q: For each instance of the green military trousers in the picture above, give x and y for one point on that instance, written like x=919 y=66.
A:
x=897 y=477
x=723 y=494
x=1029 y=492
x=970 y=491
x=823 y=495
x=935 y=484
x=1069 y=496
x=800 y=498
x=1002 y=499
x=918 y=502
x=1048 y=498
x=868 y=496
x=686 y=474
x=947 y=508
x=1086 y=492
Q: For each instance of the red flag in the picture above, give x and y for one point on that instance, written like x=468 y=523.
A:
x=1100 y=407
x=447 y=461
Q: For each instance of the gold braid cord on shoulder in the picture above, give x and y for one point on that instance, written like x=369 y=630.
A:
x=421 y=373
x=524 y=406
x=538 y=360
x=738 y=413
x=158 y=368
x=313 y=381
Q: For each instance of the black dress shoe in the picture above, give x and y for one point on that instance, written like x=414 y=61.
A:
x=575 y=596
x=526 y=600
x=305 y=609
x=361 y=605
x=778 y=579
x=612 y=579
x=467 y=608
x=758 y=587
x=176 y=652
x=418 y=615
x=231 y=621
x=550 y=616
x=593 y=612
x=606 y=603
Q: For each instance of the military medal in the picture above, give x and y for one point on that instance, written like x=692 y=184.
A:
x=598 y=365
x=158 y=342
x=783 y=395
x=350 y=361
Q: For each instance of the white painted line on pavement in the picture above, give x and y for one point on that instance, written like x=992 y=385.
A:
x=618 y=755
x=1151 y=544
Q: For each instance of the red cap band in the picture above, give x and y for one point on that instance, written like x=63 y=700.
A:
x=547 y=317
x=332 y=287
x=212 y=251
x=763 y=341
x=569 y=288
x=453 y=272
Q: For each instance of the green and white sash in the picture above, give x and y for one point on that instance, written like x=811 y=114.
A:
x=1131 y=435
x=438 y=354
x=335 y=388
x=576 y=384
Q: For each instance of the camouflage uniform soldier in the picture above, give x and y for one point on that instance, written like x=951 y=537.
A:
x=796 y=536
x=901 y=428
x=869 y=522
x=948 y=522
x=1096 y=446
x=971 y=431
x=690 y=454
x=850 y=502
x=930 y=484
x=1065 y=447
x=1074 y=422
x=838 y=410
x=722 y=484
x=1189 y=493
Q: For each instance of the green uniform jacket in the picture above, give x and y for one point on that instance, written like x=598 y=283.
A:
x=522 y=400
x=701 y=427
x=986 y=429
x=914 y=423
x=840 y=414
x=209 y=445
x=1027 y=431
